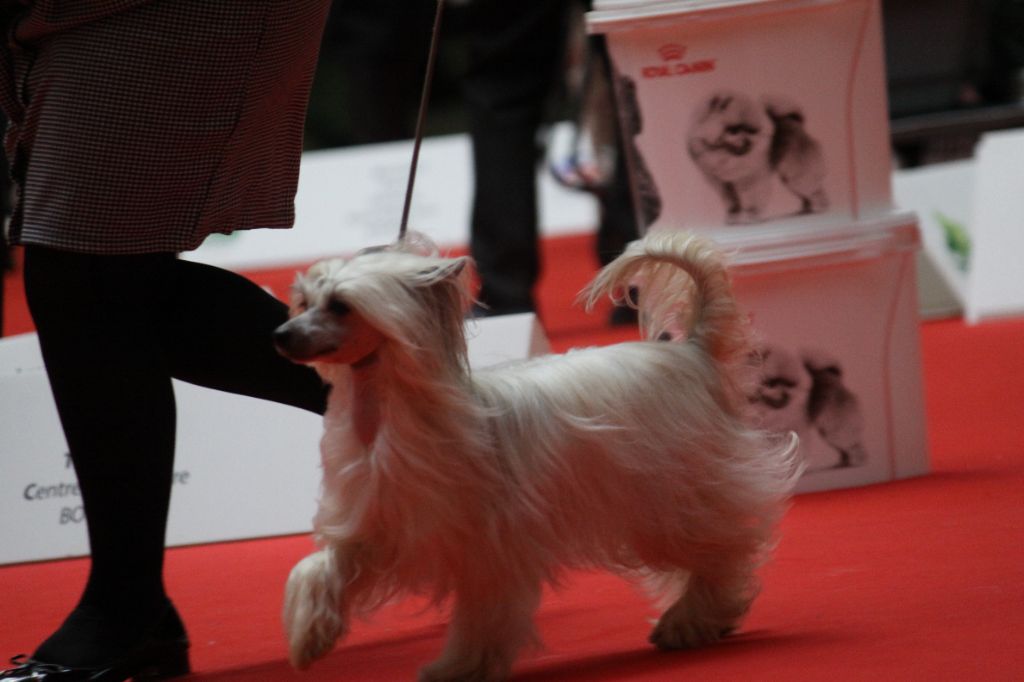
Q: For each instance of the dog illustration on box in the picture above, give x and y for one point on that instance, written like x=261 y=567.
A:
x=804 y=393
x=741 y=144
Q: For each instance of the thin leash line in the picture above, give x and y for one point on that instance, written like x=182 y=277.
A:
x=428 y=80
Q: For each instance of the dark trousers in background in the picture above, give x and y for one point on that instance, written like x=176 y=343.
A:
x=6 y=262
x=4 y=255
x=516 y=62
x=516 y=56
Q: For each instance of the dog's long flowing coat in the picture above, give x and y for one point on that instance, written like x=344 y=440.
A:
x=477 y=488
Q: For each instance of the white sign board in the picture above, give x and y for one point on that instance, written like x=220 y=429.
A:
x=244 y=468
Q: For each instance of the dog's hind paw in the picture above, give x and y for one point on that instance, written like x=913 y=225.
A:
x=672 y=636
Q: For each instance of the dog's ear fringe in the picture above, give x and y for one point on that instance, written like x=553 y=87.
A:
x=449 y=269
x=418 y=244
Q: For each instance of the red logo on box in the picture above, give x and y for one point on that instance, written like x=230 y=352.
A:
x=672 y=52
x=673 y=64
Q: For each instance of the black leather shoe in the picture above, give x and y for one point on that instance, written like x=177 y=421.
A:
x=153 y=660
x=163 y=654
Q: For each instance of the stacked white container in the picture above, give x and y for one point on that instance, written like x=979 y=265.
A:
x=764 y=124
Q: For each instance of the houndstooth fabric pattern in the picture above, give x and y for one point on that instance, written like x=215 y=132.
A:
x=142 y=126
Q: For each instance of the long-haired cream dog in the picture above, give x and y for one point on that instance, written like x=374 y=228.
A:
x=477 y=488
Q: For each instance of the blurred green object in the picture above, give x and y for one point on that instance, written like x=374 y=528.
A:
x=957 y=239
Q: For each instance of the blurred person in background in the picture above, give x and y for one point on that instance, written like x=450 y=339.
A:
x=511 y=61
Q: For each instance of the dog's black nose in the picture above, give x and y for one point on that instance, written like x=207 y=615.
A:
x=283 y=337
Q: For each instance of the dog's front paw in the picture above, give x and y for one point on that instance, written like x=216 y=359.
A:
x=312 y=618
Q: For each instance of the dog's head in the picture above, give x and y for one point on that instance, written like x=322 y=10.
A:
x=323 y=326
x=343 y=311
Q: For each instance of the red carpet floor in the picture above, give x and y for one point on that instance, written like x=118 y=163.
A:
x=916 y=580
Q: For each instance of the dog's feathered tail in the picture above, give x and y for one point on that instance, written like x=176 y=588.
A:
x=680 y=284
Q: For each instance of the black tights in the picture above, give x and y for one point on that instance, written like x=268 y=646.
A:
x=114 y=330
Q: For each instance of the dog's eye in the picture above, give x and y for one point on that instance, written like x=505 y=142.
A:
x=336 y=307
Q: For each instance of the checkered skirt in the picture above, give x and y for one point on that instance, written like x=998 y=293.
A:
x=142 y=126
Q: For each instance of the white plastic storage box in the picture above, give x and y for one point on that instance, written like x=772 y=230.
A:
x=748 y=112
x=836 y=319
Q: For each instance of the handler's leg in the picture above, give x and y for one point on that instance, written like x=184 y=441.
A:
x=217 y=329
x=113 y=393
x=113 y=330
